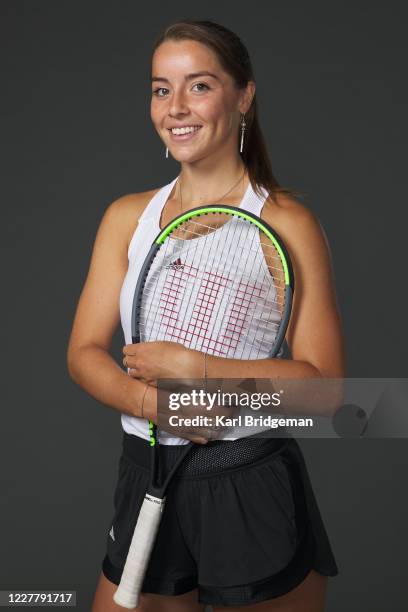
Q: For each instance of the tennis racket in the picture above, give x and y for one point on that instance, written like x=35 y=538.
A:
x=219 y=280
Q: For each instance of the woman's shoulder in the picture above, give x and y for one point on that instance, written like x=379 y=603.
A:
x=127 y=209
x=286 y=208
x=293 y=220
x=132 y=203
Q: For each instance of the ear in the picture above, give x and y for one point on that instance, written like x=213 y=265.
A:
x=247 y=97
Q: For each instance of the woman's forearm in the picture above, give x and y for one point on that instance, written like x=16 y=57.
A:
x=219 y=367
x=94 y=369
x=307 y=391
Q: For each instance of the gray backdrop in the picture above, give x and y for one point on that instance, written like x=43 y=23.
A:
x=75 y=135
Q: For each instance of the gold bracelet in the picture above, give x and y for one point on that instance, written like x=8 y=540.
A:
x=143 y=398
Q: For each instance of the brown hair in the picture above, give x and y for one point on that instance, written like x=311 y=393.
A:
x=234 y=58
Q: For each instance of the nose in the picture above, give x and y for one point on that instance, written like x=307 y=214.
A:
x=178 y=104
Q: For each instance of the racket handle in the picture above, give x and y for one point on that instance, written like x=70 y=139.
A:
x=144 y=535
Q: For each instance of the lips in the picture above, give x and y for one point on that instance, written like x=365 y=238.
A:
x=183 y=137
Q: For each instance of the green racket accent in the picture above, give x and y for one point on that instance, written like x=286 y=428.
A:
x=152 y=439
x=192 y=213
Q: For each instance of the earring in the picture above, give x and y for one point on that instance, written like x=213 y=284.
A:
x=243 y=124
x=167 y=152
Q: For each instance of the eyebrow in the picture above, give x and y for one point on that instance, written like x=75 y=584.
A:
x=188 y=77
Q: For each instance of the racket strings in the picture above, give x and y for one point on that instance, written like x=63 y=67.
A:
x=273 y=260
x=189 y=234
x=234 y=322
x=221 y=283
x=237 y=309
x=223 y=345
x=244 y=252
x=261 y=278
x=204 y=303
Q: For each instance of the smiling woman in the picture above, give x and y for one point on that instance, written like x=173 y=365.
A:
x=210 y=86
x=241 y=526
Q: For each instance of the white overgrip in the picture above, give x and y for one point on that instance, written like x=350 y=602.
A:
x=144 y=535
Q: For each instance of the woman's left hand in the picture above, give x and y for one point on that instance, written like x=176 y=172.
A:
x=149 y=361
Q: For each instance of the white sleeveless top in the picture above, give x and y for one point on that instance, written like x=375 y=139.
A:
x=146 y=231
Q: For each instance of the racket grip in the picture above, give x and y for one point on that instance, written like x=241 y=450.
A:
x=144 y=535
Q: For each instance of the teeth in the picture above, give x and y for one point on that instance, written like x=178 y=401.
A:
x=186 y=130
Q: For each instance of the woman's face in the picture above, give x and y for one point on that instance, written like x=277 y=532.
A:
x=182 y=97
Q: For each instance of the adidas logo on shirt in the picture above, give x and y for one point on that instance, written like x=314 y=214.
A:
x=175 y=265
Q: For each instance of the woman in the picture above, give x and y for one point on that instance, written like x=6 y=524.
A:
x=204 y=109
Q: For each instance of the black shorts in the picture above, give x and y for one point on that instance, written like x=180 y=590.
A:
x=245 y=533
